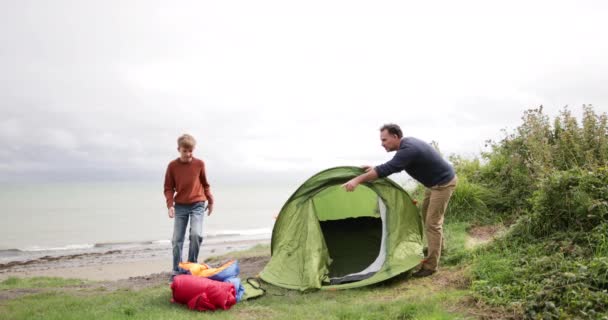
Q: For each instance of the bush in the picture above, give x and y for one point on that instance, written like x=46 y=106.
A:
x=552 y=177
x=516 y=165
x=575 y=200
x=468 y=203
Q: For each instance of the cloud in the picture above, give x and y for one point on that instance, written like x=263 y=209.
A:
x=275 y=90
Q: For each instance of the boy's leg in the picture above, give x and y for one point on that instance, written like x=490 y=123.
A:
x=438 y=203
x=196 y=230
x=179 y=232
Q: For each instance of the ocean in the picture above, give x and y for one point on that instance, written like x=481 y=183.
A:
x=51 y=219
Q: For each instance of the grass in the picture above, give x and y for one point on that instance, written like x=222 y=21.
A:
x=551 y=279
x=398 y=298
x=399 y=301
x=456 y=239
x=38 y=282
x=256 y=251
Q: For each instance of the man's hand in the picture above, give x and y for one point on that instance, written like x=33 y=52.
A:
x=369 y=175
x=209 y=209
x=366 y=168
x=171 y=212
x=351 y=185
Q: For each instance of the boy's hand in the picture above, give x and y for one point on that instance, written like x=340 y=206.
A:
x=171 y=212
x=209 y=209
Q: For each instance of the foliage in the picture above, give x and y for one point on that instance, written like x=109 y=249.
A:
x=552 y=176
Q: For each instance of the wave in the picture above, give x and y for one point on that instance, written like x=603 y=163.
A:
x=259 y=233
x=10 y=252
x=246 y=232
x=64 y=248
x=123 y=244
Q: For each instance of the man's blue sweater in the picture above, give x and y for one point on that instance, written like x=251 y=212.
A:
x=421 y=161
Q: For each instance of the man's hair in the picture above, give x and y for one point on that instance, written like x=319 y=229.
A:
x=392 y=129
x=186 y=141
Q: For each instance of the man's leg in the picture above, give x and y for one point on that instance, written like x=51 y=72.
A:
x=196 y=230
x=179 y=232
x=423 y=210
x=438 y=203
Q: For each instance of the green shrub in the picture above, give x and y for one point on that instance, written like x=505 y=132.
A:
x=468 y=203
x=516 y=165
x=575 y=200
x=552 y=177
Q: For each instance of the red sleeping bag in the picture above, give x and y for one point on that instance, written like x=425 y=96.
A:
x=202 y=294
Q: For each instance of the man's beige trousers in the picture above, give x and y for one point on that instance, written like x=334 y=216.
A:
x=433 y=209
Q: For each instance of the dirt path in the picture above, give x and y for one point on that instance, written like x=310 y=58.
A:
x=483 y=234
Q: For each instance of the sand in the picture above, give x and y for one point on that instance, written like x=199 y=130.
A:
x=112 y=265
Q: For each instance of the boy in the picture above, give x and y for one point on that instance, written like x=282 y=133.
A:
x=188 y=195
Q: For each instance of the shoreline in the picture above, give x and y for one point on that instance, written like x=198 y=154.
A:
x=8 y=252
x=114 y=264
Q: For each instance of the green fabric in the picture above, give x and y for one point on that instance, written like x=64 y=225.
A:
x=300 y=255
x=334 y=204
x=253 y=289
x=301 y=260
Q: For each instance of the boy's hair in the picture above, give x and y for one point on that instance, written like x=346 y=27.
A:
x=186 y=141
x=392 y=129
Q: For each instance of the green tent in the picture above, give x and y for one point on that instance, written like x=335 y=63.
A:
x=327 y=238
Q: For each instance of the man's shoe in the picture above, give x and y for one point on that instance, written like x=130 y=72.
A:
x=423 y=273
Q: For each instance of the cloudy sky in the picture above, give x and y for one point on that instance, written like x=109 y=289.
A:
x=99 y=90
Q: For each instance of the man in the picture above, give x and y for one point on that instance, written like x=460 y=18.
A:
x=188 y=195
x=423 y=163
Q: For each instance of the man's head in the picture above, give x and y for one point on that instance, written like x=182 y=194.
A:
x=390 y=135
x=185 y=146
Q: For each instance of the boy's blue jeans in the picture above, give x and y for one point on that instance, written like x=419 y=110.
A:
x=183 y=212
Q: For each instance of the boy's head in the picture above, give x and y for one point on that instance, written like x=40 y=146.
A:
x=185 y=146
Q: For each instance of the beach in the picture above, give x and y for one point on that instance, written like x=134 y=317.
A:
x=116 y=263
x=100 y=233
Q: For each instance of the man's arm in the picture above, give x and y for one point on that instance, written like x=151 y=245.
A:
x=399 y=161
x=370 y=175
